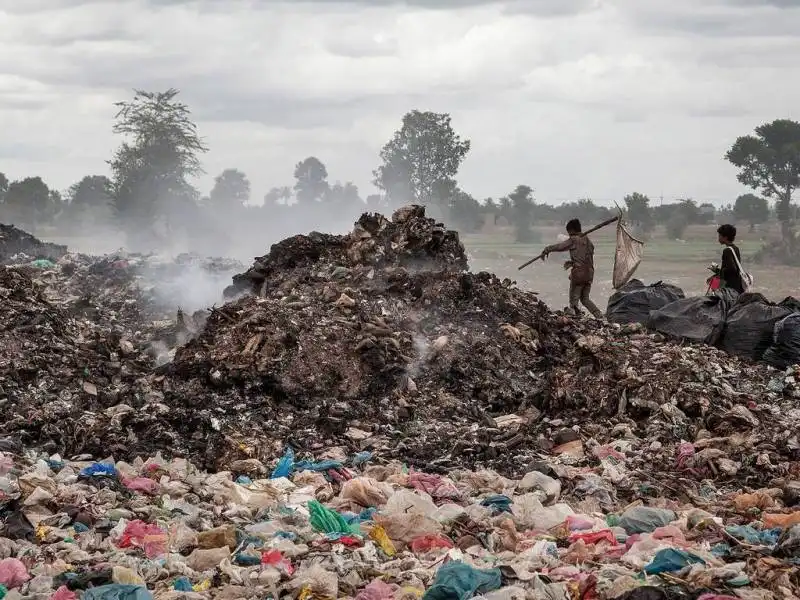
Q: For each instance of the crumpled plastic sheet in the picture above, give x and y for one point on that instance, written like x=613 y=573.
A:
x=459 y=581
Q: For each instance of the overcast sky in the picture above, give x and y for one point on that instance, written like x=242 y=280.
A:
x=577 y=98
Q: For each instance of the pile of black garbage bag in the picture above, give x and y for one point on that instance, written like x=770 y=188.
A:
x=747 y=325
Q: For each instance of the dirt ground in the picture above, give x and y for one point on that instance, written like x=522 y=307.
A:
x=683 y=263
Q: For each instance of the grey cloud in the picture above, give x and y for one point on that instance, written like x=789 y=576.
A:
x=789 y=4
x=736 y=18
x=10 y=101
x=360 y=48
x=34 y=6
x=23 y=151
x=542 y=8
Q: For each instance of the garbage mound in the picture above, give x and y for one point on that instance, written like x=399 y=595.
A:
x=409 y=240
x=446 y=369
x=19 y=246
x=342 y=527
x=60 y=361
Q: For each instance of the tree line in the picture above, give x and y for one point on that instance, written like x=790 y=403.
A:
x=150 y=197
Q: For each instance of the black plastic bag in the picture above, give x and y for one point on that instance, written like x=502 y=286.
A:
x=785 y=349
x=699 y=319
x=791 y=303
x=750 y=325
x=633 y=302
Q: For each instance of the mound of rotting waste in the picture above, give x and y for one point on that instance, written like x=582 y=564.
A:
x=79 y=340
x=16 y=244
x=356 y=341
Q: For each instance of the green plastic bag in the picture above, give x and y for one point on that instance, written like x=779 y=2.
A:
x=326 y=520
x=43 y=263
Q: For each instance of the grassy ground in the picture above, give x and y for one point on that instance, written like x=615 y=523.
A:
x=683 y=263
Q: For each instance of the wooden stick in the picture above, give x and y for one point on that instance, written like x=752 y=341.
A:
x=592 y=230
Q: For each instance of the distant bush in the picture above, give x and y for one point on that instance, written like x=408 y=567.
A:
x=676 y=226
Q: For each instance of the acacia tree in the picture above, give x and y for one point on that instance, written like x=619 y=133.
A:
x=421 y=160
x=769 y=162
x=150 y=169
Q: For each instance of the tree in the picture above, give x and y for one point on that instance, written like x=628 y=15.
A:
x=3 y=186
x=28 y=202
x=689 y=210
x=506 y=208
x=769 y=162
x=345 y=196
x=421 y=160
x=584 y=209
x=88 y=202
x=523 y=204
x=312 y=180
x=707 y=213
x=150 y=169
x=751 y=209
x=278 y=196
x=639 y=211
x=465 y=211
x=677 y=224
x=90 y=192
x=376 y=203
x=231 y=188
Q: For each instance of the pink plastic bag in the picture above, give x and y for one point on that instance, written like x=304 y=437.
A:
x=377 y=590
x=436 y=486
x=63 y=593
x=13 y=573
x=594 y=537
x=426 y=543
x=579 y=523
x=150 y=538
x=142 y=484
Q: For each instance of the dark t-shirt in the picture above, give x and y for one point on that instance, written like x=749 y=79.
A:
x=729 y=270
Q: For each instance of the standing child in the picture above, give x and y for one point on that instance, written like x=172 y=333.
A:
x=581 y=265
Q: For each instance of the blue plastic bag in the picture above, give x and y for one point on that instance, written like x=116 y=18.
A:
x=98 y=470
x=285 y=465
x=459 y=581
x=360 y=458
x=669 y=560
x=117 y=591
x=182 y=584
x=319 y=467
x=751 y=535
x=498 y=503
